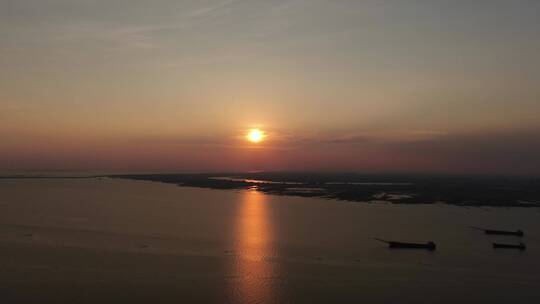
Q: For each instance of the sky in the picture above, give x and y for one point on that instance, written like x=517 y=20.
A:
x=344 y=85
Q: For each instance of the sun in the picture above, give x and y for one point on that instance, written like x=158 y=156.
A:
x=255 y=135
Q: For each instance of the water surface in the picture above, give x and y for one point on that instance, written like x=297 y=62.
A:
x=109 y=240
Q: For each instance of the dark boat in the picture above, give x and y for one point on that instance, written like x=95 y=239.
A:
x=500 y=232
x=391 y=244
x=519 y=246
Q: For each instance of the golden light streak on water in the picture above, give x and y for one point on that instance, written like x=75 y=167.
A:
x=253 y=267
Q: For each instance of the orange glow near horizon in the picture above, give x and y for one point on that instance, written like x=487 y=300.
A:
x=255 y=135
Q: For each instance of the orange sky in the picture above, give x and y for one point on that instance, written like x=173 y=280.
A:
x=378 y=86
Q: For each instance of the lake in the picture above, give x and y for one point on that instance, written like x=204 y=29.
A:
x=106 y=240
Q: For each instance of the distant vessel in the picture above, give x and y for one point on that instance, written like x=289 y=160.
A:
x=392 y=244
x=519 y=246
x=500 y=232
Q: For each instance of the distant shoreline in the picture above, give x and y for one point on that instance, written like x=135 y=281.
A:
x=396 y=189
x=45 y=177
x=469 y=191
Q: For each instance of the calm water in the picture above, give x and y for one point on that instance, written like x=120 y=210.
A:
x=89 y=240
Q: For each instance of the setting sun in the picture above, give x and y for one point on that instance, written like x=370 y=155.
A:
x=255 y=135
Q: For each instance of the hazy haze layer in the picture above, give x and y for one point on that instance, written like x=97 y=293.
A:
x=424 y=86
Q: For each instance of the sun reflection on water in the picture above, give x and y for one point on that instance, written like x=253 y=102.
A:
x=253 y=268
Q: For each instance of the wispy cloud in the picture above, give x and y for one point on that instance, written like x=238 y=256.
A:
x=213 y=9
x=10 y=107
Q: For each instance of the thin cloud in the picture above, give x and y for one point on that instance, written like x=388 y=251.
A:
x=213 y=10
